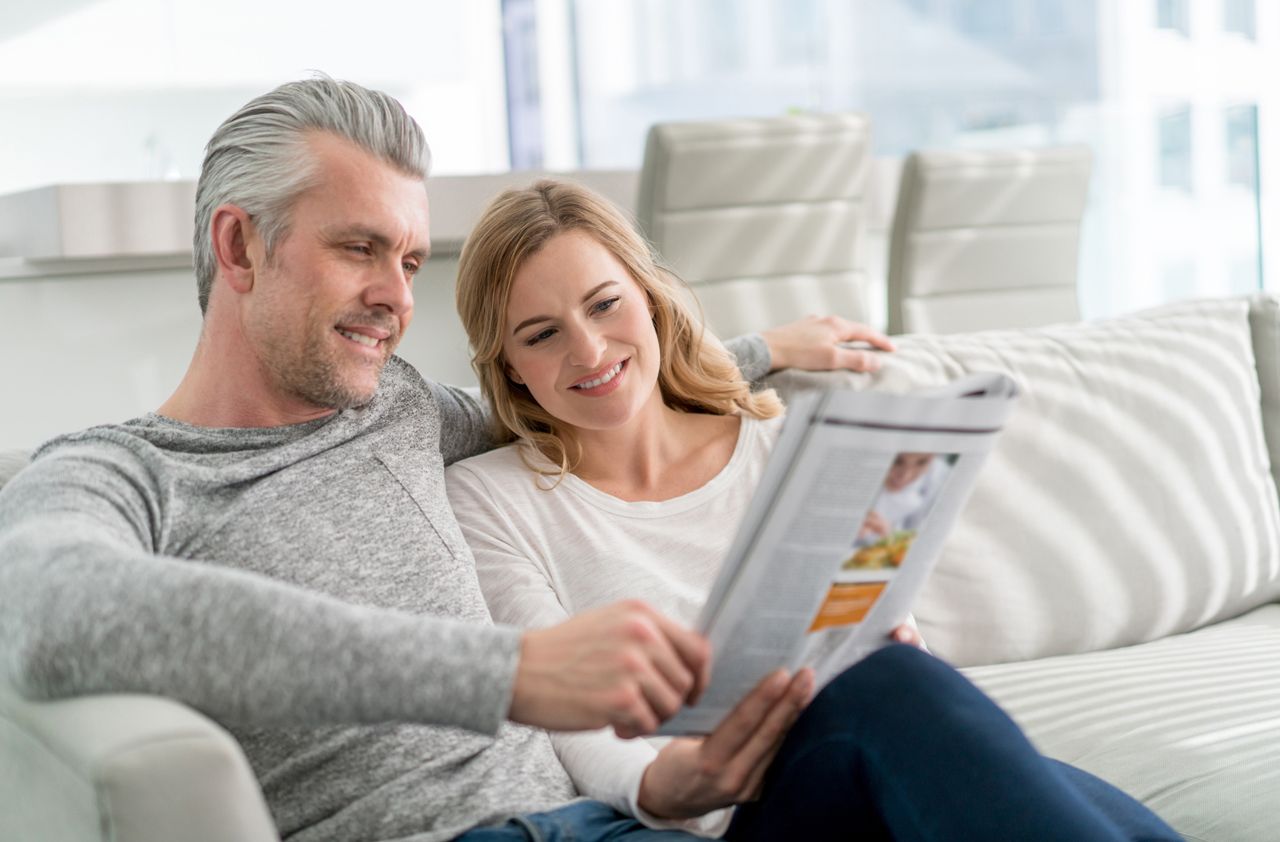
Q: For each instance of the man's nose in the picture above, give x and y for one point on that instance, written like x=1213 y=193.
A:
x=392 y=289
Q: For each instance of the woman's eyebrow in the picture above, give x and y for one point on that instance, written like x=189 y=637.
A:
x=534 y=320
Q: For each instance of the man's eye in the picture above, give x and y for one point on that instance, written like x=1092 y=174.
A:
x=410 y=268
x=540 y=336
x=360 y=248
x=605 y=306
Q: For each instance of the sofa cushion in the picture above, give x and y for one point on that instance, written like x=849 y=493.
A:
x=1202 y=706
x=1129 y=498
x=1264 y=323
x=12 y=461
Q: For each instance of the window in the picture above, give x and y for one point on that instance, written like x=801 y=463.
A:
x=524 y=101
x=1242 y=146
x=1174 y=15
x=1238 y=16
x=963 y=73
x=1175 y=148
x=103 y=90
x=152 y=79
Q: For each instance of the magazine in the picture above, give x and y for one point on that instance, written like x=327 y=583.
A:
x=842 y=532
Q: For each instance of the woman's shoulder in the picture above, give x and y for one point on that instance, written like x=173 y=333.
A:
x=764 y=430
x=499 y=465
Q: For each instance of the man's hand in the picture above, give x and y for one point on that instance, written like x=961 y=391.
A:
x=623 y=665
x=690 y=777
x=815 y=343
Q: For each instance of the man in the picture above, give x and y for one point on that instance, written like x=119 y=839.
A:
x=274 y=545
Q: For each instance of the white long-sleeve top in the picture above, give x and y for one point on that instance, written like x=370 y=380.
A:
x=545 y=554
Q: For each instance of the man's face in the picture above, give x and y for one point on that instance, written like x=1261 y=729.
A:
x=327 y=311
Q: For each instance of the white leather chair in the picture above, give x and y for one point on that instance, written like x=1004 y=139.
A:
x=987 y=239
x=764 y=218
x=121 y=768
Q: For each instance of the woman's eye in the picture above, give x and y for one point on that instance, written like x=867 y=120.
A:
x=605 y=306
x=539 y=336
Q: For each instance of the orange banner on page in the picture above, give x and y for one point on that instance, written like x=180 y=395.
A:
x=847 y=604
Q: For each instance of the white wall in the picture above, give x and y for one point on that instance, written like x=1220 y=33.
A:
x=96 y=348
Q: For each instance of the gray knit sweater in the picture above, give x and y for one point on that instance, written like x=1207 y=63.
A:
x=306 y=586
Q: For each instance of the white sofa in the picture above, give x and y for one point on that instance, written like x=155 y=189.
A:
x=1114 y=582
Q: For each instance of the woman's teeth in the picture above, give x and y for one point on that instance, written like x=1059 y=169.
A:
x=602 y=379
x=367 y=341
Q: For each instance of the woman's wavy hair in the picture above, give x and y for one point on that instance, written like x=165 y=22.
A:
x=696 y=373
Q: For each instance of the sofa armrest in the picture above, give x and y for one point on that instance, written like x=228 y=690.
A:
x=124 y=768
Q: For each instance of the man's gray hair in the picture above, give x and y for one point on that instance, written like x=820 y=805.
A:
x=258 y=159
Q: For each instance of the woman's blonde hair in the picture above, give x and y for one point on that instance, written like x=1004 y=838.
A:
x=696 y=373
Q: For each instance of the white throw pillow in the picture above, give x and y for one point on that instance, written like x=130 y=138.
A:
x=1129 y=498
x=1264 y=322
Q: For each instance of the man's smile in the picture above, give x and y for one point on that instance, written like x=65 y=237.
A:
x=364 y=335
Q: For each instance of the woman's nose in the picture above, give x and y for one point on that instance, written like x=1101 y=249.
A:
x=587 y=349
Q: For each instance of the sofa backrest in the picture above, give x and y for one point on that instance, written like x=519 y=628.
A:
x=12 y=461
x=1131 y=494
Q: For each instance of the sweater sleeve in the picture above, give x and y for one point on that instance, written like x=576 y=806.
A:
x=466 y=422
x=519 y=592
x=87 y=606
x=752 y=355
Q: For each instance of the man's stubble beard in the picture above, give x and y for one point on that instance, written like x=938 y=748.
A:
x=314 y=373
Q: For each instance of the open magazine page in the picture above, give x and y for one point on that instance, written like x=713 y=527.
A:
x=849 y=517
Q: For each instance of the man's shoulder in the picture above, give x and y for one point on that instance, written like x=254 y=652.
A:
x=129 y=439
x=399 y=375
x=111 y=459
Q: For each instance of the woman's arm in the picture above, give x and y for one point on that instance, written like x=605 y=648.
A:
x=519 y=591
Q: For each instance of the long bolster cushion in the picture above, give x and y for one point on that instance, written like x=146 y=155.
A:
x=1129 y=498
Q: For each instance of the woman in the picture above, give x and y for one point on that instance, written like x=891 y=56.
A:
x=637 y=449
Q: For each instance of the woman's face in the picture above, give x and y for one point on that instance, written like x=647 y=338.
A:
x=907 y=468
x=580 y=336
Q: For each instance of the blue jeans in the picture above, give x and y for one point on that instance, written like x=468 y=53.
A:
x=898 y=747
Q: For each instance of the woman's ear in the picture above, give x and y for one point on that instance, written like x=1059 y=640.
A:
x=513 y=377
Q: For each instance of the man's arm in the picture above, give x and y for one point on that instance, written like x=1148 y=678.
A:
x=466 y=422
x=86 y=607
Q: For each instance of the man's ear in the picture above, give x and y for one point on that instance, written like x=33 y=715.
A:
x=232 y=231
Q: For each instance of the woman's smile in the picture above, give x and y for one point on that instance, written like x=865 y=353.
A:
x=602 y=382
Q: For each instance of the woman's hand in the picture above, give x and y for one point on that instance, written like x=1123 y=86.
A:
x=874 y=524
x=690 y=777
x=816 y=343
x=908 y=633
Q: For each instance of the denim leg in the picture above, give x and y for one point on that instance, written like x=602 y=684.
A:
x=582 y=821
x=903 y=747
